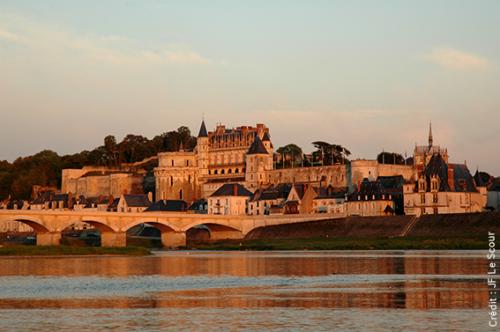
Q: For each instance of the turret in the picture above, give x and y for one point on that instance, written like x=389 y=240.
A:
x=266 y=140
x=430 y=134
x=258 y=162
x=202 y=149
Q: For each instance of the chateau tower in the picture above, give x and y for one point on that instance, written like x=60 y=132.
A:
x=266 y=140
x=258 y=162
x=202 y=150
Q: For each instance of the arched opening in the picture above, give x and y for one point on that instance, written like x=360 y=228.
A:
x=153 y=235
x=81 y=234
x=210 y=232
x=20 y=231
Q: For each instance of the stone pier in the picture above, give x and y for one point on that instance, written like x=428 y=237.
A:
x=48 y=239
x=173 y=239
x=113 y=239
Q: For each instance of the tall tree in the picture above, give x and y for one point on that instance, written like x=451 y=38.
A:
x=329 y=154
x=390 y=158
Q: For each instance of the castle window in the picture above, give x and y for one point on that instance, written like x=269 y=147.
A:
x=171 y=180
x=209 y=172
x=180 y=194
x=222 y=172
x=187 y=162
x=189 y=178
x=434 y=198
x=229 y=171
x=172 y=162
x=236 y=170
x=215 y=172
x=422 y=198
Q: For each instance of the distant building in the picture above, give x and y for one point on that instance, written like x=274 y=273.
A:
x=168 y=205
x=494 y=195
x=133 y=203
x=230 y=199
x=442 y=188
x=369 y=200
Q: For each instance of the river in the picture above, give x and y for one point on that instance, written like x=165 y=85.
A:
x=250 y=291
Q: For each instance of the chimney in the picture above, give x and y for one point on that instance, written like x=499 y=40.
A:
x=451 y=178
x=110 y=199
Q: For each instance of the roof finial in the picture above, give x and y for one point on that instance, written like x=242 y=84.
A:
x=430 y=134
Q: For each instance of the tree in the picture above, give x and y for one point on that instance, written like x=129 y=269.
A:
x=112 y=153
x=289 y=155
x=392 y=158
x=329 y=154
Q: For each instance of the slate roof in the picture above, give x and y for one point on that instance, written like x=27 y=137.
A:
x=279 y=191
x=199 y=205
x=232 y=189
x=462 y=179
x=368 y=190
x=139 y=200
x=478 y=179
x=168 y=205
x=331 y=192
x=203 y=130
x=266 y=137
x=257 y=146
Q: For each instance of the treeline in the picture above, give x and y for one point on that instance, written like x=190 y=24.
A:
x=44 y=168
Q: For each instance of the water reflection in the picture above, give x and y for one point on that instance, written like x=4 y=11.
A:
x=413 y=281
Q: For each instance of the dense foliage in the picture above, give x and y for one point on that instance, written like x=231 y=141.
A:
x=44 y=168
x=390 y=158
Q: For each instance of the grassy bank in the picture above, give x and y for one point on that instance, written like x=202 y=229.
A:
x=324 y=243
x=23 y=250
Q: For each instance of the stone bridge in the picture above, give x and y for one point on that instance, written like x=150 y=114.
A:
x=49 y=224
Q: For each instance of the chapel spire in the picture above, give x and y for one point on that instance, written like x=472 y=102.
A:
x=430 y=134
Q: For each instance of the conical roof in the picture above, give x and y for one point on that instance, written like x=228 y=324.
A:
x=203 y=130
x=257 y=147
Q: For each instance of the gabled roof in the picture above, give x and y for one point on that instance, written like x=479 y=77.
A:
x=437 y=167
x=139 y=200
x=274 y=192
x=266 y=137
x=232 y=189
x=203 y=130
x=168 y=205
x=257 y=147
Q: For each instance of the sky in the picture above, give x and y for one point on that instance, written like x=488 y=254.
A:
x=369 y=75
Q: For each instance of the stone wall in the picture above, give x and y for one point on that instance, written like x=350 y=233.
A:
x=334 y=175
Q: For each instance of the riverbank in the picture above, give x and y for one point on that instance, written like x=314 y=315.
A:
x=62 y=250
x=328 y=243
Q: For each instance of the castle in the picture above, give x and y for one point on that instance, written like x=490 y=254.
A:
x=245 y=156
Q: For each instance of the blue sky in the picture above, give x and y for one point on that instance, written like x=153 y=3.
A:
x=366 y=74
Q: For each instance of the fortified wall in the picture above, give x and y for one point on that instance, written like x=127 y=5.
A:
x=93 y=181
x=372 y=169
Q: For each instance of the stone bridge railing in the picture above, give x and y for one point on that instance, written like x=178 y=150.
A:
x=49 y=224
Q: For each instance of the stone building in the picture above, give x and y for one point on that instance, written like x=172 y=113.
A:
x=92 y=181
x=229 y=199
x=443 y=187
x=240 y=155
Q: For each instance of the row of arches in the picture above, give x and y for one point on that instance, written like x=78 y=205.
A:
x=223 y=171
x=167 y=232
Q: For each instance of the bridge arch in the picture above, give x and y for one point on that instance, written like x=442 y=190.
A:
x=216 y=230
x=163 y=226
x=99 y=224
x=33 y=222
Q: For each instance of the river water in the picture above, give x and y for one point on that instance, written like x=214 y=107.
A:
x=250 y=291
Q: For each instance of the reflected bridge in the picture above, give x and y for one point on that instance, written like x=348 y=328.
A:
x=49 y=224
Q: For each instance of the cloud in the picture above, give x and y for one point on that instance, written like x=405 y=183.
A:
x=10 y=36
x=111 y=49
x=458 y=60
